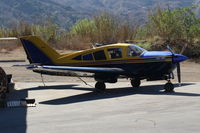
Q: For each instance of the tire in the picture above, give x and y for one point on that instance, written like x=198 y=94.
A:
x=100 y=86
x=135 y=83
x=169 y=87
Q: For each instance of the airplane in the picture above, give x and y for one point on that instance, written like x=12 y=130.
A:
x=107 y=62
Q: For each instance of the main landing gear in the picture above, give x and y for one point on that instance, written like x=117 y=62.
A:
x=100 y=86
x=169 y=87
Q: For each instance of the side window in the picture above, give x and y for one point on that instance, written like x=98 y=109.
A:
x=115 y=53
x=99 y=55
x=131 y=52
x=88 y=57
x=77 y=57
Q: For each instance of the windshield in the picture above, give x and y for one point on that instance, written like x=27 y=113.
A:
x=134 y=50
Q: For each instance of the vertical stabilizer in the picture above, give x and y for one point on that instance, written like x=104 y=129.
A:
x=38 y=51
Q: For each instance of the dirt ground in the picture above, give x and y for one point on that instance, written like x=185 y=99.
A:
x=190 y=70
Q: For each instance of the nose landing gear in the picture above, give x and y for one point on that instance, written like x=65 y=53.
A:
x=169 y=87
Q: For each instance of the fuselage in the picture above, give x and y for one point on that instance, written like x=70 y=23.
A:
x=107 y=62
x=134 y=60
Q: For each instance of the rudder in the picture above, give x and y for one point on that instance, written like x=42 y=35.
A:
x=38 y=51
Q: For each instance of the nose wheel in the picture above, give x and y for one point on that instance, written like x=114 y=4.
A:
x=169 y=87
x=100 y=86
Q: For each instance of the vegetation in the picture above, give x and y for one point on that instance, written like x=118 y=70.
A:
x=179 y=28
x=104 y=28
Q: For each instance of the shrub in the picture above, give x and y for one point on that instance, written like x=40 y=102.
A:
x=174 y=25
x=104 y=28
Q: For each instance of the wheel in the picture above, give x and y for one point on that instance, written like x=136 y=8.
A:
x=135 y=82
x=169 y=87
x=100 y=86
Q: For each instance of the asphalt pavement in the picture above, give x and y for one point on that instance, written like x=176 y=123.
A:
x=75 y=108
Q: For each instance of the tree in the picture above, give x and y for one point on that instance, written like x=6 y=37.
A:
x=175 y=24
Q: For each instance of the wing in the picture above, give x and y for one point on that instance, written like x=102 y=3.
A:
x=86 y=69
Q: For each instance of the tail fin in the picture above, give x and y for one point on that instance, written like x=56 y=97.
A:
x=38 y=51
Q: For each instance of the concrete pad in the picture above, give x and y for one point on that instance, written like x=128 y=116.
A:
x=73 y=107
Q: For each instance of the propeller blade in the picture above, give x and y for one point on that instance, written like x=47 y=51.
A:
x=179 y=72
x=171 y=52
x=170 y=49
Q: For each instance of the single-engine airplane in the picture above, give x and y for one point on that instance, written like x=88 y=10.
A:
x=107 y=62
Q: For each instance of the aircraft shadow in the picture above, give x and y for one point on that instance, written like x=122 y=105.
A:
x=60 y=87
x=13 y=120
x=112 y=93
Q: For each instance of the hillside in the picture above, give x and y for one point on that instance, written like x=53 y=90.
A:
x=67 y=12
x=127 y=8
x=37 y=11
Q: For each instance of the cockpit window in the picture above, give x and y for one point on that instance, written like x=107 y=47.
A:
x=134 y=50
x=115 y=53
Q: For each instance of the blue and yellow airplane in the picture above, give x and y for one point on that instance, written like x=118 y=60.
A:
x=108 y=62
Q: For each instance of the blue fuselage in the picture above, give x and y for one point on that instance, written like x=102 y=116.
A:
x=151 y=64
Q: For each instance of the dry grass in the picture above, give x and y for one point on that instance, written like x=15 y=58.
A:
x=7 y=46
x=72 y=43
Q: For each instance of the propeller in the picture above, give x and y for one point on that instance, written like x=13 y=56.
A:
x=178 y=65
x=179 y=73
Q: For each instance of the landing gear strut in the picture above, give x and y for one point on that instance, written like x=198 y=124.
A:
x=100 y=86
x=135 y=82
x=169 y=87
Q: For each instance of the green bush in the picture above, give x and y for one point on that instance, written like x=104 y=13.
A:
x=145 y=45
x=193 y=51
x=83 y=28
x=176 y=24
x=104 y=28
